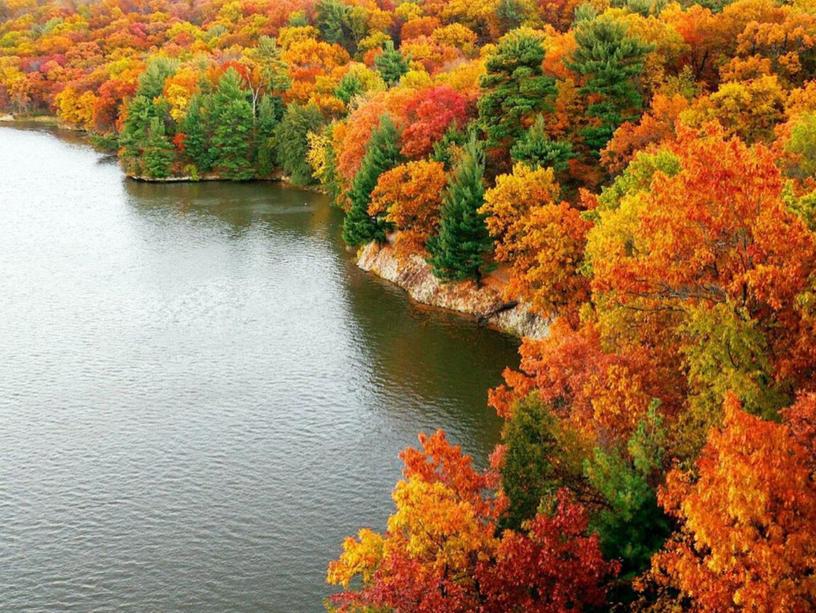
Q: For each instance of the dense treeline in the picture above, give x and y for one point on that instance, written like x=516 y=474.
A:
x=641 y=172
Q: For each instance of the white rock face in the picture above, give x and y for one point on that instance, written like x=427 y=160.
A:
x=414 y=275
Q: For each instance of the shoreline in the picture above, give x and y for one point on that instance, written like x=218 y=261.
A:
x=411 y=274
x=484 y=303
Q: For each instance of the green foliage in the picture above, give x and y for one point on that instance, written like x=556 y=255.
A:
x=511 y=14
x=292 y=146
x=802 y=144
x=514 y=88
x=460 y=249
x=151 y=81
x=804 y=206
x=536 y=460
x=390 y=64
x=196 y=128
x=611 y=63
x=231 y=145
x=445 y=148
x=382 y=154
x=350 y=86
x=725 y=351
x=159 y=153
x=270 y=113
x=336 y=23
x=536 y=149
x=273 y=68
x=631 y=525
x=137 y=129
x=638 y=176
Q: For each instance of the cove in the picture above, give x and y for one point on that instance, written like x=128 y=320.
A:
x=200 y=393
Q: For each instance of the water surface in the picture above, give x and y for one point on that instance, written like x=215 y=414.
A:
x=200 y=394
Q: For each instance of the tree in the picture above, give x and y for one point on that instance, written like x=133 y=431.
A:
x=231 y=146
x=359 y=227
x=390 y=64
x=460 y=249
x=410 y=196
x=444 y=522
x=538 y=457
x=543 y=242
x=630 y=524
x=610 y=62
x=270 y=113
x=747 y=515
x=158 y=151
x=196 y=129
x=292 y=144
x=554 y=566
x=537 y=150
x=515 y=87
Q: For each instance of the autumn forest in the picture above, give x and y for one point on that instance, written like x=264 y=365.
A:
x=641 y=173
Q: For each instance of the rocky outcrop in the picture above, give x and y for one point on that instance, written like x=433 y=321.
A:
x=485 y=303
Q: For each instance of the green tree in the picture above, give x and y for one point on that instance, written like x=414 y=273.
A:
x=159 y=152
x=514 y=88
x=631 y=524
x=292 y=145
x=381 y=154
x=336 y=24
x=538 y=460
x=231 y=146
x=390 y=64
x=460 y=248
x=196 y=128
x=611 y=63
x=536 y=149
x=270 y=113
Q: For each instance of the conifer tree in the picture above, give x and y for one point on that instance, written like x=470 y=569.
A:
x=270 y=112
x=460 y=249
x=611 y=63
x=514 y=88
x=391 y=64
x=291 y=141
x=231 y=145
x=196 y=132
x=382 y=154
x=158 y=151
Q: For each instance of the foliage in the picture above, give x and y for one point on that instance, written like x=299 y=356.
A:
x=459 y=250
x=359 y=225
x=291 y=140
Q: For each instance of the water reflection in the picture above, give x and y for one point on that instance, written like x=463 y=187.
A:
x=204 y=394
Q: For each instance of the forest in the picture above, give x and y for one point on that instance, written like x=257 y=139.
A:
x=642 y=172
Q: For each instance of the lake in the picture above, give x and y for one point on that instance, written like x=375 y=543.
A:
x=200 y=393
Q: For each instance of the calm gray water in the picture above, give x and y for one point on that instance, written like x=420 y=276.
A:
x=200 y=395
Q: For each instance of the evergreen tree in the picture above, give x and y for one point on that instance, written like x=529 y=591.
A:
x=292 y=145
x=334 y=22
x=159 y=152
x=270 y=112
x=459 y=250
x=536 y=149
x=514 y=88
x=134 y=130
x=382 y=154
x=390 y=64
x=231 y=145
x=196 y=128
x=611 y=63
x=631 y=524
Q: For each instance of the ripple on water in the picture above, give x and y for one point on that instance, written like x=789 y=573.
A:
x=200 y=395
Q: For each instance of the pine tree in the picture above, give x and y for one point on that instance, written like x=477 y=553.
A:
x=270 y=112
x=390 y=64
x=196 y=131
x=611 y=63
x=514 y=88
x=291 y=141
x=536 y=149
x=231 y=145
x=459 y=250
x=159 y=153
x=382 y=154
